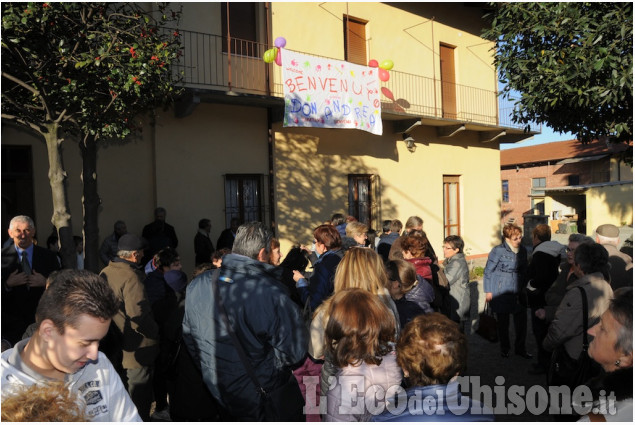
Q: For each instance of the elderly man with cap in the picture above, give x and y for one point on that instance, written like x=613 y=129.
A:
x=135 y=331
x=621 y=271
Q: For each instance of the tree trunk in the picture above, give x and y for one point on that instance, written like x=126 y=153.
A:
x=61 y=217
x=90 y=203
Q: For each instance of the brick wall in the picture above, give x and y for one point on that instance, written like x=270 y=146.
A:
x=556 y=176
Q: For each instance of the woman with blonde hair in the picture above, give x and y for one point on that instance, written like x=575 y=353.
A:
x=360 y=340
x=360 y=268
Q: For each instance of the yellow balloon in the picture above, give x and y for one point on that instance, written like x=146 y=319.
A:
x=270 y=55
x=387 y=65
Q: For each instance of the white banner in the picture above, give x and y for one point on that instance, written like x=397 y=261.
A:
x=329 y=93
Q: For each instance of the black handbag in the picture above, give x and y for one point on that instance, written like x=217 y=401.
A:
x=282 y=404
x=487 y=325
x=573 y=372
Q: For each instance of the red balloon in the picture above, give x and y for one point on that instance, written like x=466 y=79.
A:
x=279 y=58
x=386 y=92
x=373 y=63
x=383 y=75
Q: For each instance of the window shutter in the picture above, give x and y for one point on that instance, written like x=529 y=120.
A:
x=355 y=40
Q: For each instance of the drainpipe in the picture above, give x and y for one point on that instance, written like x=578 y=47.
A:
x=267 y=44
x=270 y=132
x=270 y=141
x=434 y=66
x=229 y=52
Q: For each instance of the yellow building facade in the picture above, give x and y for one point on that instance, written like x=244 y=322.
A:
x=223 y=150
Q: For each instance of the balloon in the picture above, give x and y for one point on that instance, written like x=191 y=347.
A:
x=373 y=63
x=387 y=65
x=279 y=57
x=270 y=55
x=386 y=92
x=383 y=74
x=280 y=42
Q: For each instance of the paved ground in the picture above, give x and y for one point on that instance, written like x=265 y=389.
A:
x=485 y=361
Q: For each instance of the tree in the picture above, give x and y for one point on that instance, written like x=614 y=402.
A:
x=84 y=70
x=572 y=64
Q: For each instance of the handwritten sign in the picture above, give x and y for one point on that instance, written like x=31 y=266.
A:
x=328 y=93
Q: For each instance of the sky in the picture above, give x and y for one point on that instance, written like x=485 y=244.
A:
x=548 y=135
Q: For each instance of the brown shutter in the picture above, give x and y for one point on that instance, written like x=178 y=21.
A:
x=355 y=40
x=448 y=81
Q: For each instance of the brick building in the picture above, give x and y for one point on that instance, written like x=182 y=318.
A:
x=567 y=181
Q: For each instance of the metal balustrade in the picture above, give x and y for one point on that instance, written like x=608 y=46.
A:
x=207 y=64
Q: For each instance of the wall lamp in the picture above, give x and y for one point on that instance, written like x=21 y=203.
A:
x=410 y=142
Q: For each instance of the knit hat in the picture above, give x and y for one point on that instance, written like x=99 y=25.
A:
x=130 y=242
x=608 y=231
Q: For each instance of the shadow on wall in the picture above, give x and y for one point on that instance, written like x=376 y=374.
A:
x=312 y=178
x=619 y=202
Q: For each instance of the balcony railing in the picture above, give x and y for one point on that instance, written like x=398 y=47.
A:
x=206 y=64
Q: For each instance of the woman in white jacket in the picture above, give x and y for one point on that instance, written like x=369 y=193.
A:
x=360 y=338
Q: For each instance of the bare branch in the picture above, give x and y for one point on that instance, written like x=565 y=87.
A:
x=21 y=83
x=23 y=122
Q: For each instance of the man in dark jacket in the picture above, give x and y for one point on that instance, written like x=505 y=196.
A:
x=158 y=235
x=267 y=324
x=542 y=272
x=203 y=246
x=388 y=238
x=25 y=267
x=227 y=236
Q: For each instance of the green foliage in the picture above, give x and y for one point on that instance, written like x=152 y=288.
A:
x=476 y=273
x=572 y=64
x=92 y=67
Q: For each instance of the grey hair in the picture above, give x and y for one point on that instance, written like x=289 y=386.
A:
x=122 y=253
x=251 y=238
x=621 y=308
x=21 y=219
x=580 y=238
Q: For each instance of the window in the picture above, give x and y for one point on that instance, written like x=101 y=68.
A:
x=242 y=28
x=363 y=199
x=244 y=197
x=574 y=180
x=505 y=190
x=355 y=40
x=451 y=206
x=539 y=182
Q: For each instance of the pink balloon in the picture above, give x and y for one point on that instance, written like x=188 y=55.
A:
x=279 y=58
x=383 y=75
x=373 y=63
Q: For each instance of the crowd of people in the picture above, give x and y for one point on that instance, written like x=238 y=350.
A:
x=352 y=328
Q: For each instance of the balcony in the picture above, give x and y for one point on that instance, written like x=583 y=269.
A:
x=206 y=65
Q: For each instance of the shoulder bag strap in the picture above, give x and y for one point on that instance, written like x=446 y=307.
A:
x=239 y=348
x=585 y=319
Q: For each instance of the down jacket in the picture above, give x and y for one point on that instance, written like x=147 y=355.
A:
x=266 y=321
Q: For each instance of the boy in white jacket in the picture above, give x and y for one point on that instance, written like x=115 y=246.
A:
x=73 y=315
